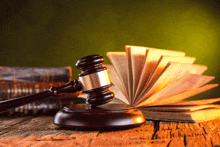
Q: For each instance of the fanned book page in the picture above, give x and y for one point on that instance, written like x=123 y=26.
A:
x=158 y=81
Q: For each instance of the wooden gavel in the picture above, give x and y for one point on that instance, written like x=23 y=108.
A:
x=93 y=80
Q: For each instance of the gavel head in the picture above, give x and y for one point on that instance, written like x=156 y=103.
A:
x=95 y=80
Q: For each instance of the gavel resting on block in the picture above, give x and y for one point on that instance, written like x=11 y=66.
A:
x=96 y=113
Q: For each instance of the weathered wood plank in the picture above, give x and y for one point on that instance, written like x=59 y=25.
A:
x=190 y=134
x=215 y=138
x=37 y=126
x=173 y=130
x=198 y=141
x=6 y=122
x=82 y=140
x=40 y=131
x=132 y=137
x=101 y=142
x=176 y=142
x=211 y=126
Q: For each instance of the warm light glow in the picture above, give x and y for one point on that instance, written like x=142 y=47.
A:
x=138 y=120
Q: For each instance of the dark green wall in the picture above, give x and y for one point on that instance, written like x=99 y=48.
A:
x=58 y=33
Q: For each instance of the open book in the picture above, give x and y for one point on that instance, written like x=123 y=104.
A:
x=157 y=81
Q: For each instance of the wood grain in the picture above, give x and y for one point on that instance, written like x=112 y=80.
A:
x=40 y=131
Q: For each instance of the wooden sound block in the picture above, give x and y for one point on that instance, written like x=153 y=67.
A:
x=107 y=116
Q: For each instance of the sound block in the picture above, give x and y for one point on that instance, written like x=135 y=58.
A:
x=107 y=116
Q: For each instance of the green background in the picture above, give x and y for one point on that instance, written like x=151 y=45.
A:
x=57 y=33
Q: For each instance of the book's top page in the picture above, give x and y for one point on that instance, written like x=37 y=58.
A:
x=150 y=76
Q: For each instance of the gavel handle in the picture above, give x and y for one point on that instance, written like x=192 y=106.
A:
x=15 y=102
x=70 y=87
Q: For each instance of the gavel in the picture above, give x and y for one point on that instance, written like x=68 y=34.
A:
x=93 y=80
x=97 y=112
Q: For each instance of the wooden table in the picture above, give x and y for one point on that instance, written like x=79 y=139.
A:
x=40 y=131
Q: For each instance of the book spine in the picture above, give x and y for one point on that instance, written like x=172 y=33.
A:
x=10 y=90
x=36 y=74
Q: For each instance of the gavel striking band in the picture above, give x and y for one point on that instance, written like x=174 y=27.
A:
x=95 y=80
